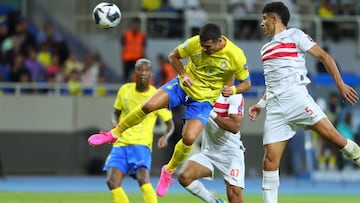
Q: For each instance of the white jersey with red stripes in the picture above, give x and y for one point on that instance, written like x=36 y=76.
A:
x=215 y=138
x=283 y=59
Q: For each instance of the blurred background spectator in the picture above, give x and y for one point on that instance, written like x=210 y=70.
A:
x=246 y=28
x=346 y=128
x=327 y=11
x=195 y=16
x=133 y=43
x=166 y=71
x=328 y=154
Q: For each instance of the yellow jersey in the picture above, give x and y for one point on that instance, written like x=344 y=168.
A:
x=141 y=134
x=211 y=72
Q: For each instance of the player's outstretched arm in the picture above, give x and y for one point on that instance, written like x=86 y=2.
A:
x=348 y=93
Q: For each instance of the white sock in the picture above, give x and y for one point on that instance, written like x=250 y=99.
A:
x=270 y=185
x=198 y=189
x=352 y=151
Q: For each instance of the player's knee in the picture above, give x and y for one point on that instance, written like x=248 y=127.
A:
x=111 y=183
x=143 y=180
x=188 y=140
x=270 y=165
x=234 y=194
x=184 y=178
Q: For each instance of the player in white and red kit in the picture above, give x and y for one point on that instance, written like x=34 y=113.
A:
x=222 y=152
x=288 y=104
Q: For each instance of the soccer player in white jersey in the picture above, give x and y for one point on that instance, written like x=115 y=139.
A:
x=222 y=152
x=288 y=104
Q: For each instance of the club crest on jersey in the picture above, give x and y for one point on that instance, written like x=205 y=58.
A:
x=223 y=65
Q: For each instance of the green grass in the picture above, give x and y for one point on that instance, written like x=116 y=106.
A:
x=104 y=197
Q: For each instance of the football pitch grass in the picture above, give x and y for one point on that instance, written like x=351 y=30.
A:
x=103 y=197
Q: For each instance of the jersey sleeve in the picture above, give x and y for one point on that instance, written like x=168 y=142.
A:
x=164 y=114
x=118 y=101
x=242 y=71
x=236 y=104
x=185 y=48
x=305 y=42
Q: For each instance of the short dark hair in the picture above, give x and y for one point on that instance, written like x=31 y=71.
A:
x=279 y=9
x=210 y=31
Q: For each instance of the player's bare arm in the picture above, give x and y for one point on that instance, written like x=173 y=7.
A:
x=175 y=61
x=232 y=123
x=163 y=140
x=348 y=93
x=243 y=86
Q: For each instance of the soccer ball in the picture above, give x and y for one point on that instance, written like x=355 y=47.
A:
x=106 y=15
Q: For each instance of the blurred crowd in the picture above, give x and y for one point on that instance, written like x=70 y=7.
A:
x=31 y=55
x=196 y=12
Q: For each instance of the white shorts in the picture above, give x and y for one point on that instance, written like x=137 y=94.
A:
x=230 y=165
x=287 y=111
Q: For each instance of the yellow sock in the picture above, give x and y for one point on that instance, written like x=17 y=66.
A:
x=180 y=153
x=133 y=118
x=148 y=193
x=119 y=195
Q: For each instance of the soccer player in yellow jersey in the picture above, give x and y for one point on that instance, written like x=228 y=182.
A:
x=213 y=60
x=131 y=152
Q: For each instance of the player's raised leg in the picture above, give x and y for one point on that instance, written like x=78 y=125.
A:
x=328 y=132
x=159 y=100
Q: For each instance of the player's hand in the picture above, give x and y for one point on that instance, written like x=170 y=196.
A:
x=227 y=91
x=254 y=112
x=162 y=142
x=187 y=80
x=348 y=93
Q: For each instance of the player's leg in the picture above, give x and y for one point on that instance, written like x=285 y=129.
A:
x=328 y=132
x=234 y=193
x=143 y=178
x=191 y=131
x=196 y=117
x=271 y=178
x=193 y=169
x=231 y=166
x=114 y=178
x=159 y=100
x=139 y=159
x=116 y=167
